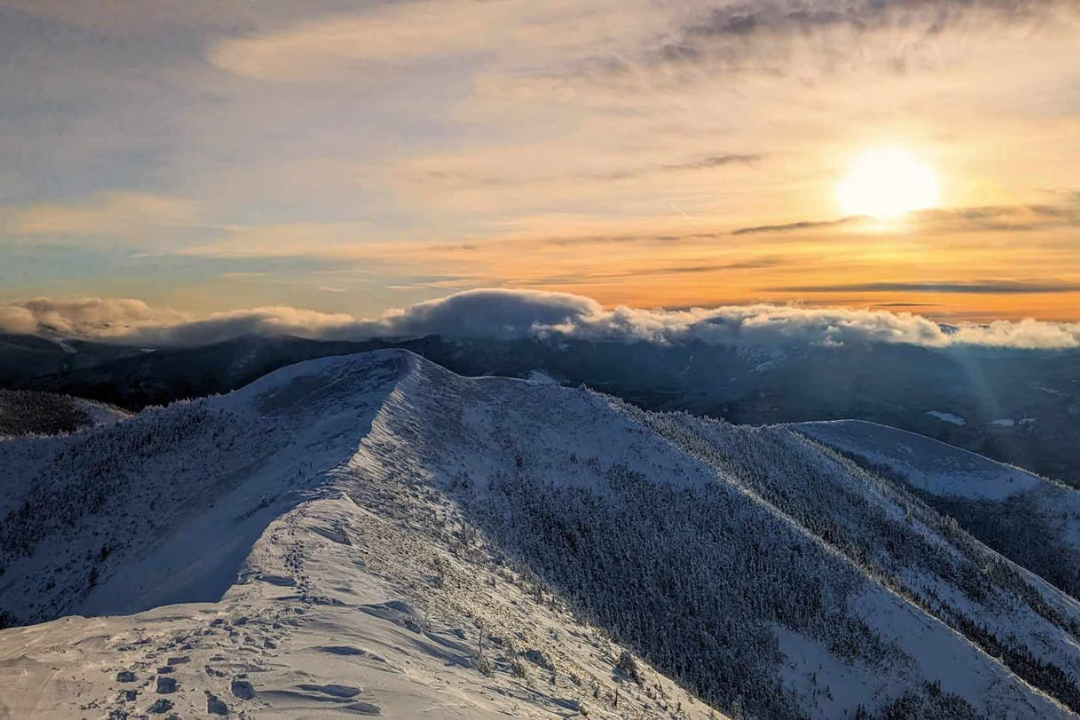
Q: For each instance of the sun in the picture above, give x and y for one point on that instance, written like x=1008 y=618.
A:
x=887 y=183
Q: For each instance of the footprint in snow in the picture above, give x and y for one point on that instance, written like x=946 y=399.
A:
x=242 y=689
x=160 y=707
x=364 y=708
x=338 y=691
x=279 y=580
x=342 y=650
x=214 y=704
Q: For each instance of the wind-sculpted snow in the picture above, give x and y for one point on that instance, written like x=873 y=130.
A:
x=377 y=534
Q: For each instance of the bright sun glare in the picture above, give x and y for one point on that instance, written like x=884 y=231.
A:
x=887 y=183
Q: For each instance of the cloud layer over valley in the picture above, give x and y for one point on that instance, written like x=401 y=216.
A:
x=510 y=314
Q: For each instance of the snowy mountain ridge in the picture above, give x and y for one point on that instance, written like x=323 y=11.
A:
x=1033 y=521
x=373 y=534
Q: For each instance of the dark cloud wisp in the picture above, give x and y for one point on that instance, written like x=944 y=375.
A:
x=982 y=287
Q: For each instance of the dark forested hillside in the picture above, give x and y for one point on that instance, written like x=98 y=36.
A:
x=27 y=412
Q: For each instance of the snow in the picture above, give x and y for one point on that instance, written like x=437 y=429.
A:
x=927 y=464
x=945 y=657
x=1009 y=422
x=539 y=376
x=1037 y=520
x=283 y=597
x=372 y=534
x=257 y=652
x=765 y=366
x=100 y=414
x=805 y=660
x=947 y=417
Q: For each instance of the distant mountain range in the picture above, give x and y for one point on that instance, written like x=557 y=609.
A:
x=1017 y=406
x=29 y=356
x=374 y=534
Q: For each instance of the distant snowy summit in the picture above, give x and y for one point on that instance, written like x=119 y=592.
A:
x=374 y=535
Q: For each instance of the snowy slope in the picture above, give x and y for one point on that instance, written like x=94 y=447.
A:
x=927 y=464
x=372 y=534
x=306 y=603
x=1031 y=520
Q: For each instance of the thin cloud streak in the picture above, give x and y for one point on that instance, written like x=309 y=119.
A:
x=796 y=226
x=985 y=287
x=992 y=218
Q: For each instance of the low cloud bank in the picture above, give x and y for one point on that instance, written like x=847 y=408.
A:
x=508 y=314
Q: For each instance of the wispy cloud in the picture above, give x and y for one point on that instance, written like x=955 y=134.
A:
x=706 y=163
x=982 y=287
x=739 y=33
x=1004 y=218
x=931 y=16
x=987 y=218
x=396 y=33
x=118 y=214
x=459 y=173
x=661 y=271
x=797 y=226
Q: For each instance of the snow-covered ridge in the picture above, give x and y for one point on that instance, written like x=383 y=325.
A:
x=374 y=534
x=928 y=464
x=1029 y=519
x=306 y=601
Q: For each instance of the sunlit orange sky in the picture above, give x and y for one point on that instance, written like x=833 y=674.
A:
x=351 y=157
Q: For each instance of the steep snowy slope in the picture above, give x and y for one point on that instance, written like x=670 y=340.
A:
x=1031 y=520
x=375 y=534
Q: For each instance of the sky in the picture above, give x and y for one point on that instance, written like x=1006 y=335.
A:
x=201 y=158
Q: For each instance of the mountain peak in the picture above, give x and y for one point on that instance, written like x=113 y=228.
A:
x=356 y=513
